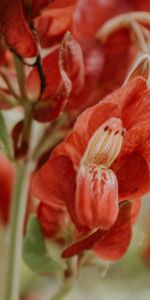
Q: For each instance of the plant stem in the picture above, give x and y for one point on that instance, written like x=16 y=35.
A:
x=69 y=279
x=20 y=76
x=19 y=201
x=66 y=288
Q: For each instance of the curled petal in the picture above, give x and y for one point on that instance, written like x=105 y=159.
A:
x=63 y=70
x=51 y=109
x=116 y=242
x=96 y=197
x=72 y=58
x=141 y=69
x=15 y=29
x=85 y=244
x=105 y=144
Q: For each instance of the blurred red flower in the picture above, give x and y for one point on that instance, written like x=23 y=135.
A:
x=96 y=167
x=106 y=65
x=15 y=23
x=7 y=174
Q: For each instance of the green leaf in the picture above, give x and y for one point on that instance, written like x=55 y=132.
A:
x=5 y=139
x=35 y=254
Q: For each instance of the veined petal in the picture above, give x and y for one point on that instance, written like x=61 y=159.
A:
x=105 y=144
x=96 y=201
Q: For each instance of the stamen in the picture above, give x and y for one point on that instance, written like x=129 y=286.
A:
x=105 y=144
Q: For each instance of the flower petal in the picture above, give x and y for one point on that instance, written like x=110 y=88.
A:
x=7 y=175
x=116 y=243
x=96 y=197
x=52 y=25
x=62 y=3
x=85 y=244
x=87 y=123
x=15 y=29
x=133 y=101
x=133 y=176
x=55 y=181
x=37 y=6
x=73 y=62
x=52 y=218
x=121 y=226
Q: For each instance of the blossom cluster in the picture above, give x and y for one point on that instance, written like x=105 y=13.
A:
x=79 y=70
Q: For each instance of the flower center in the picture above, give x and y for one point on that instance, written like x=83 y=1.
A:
x=105 y=144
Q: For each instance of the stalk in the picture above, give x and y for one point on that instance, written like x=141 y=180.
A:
x=19 y=201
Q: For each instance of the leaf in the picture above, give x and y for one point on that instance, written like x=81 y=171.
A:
x=5 y=138
x=35 y=254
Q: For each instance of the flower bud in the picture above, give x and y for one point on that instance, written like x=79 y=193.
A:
x=96 y=196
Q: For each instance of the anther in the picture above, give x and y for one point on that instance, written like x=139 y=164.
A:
x=116 y=132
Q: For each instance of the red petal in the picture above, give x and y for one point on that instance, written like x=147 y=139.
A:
x=87 y=123
x=52 y=25
x=62 y=3
x=143 y=5
x=55 y=181
x=50 y=110
x=116 y=243
x=96 y=197
x=115 y=235
x=86 y=24
x=37 y=6
x=15 y=29
x=7 y=175
x=57 y=69
x=52 y=218
x=133 y=176
x=73 y=62
x=85 y=244
x=93 y=60
x=132 y=100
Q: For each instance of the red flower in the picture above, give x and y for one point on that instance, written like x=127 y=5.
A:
x=6 y=182
x=97 y=167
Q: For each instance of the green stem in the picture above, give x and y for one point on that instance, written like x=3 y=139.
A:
x=19 y=201
x=67 y=287
x=69 y=279
x=20 y=76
